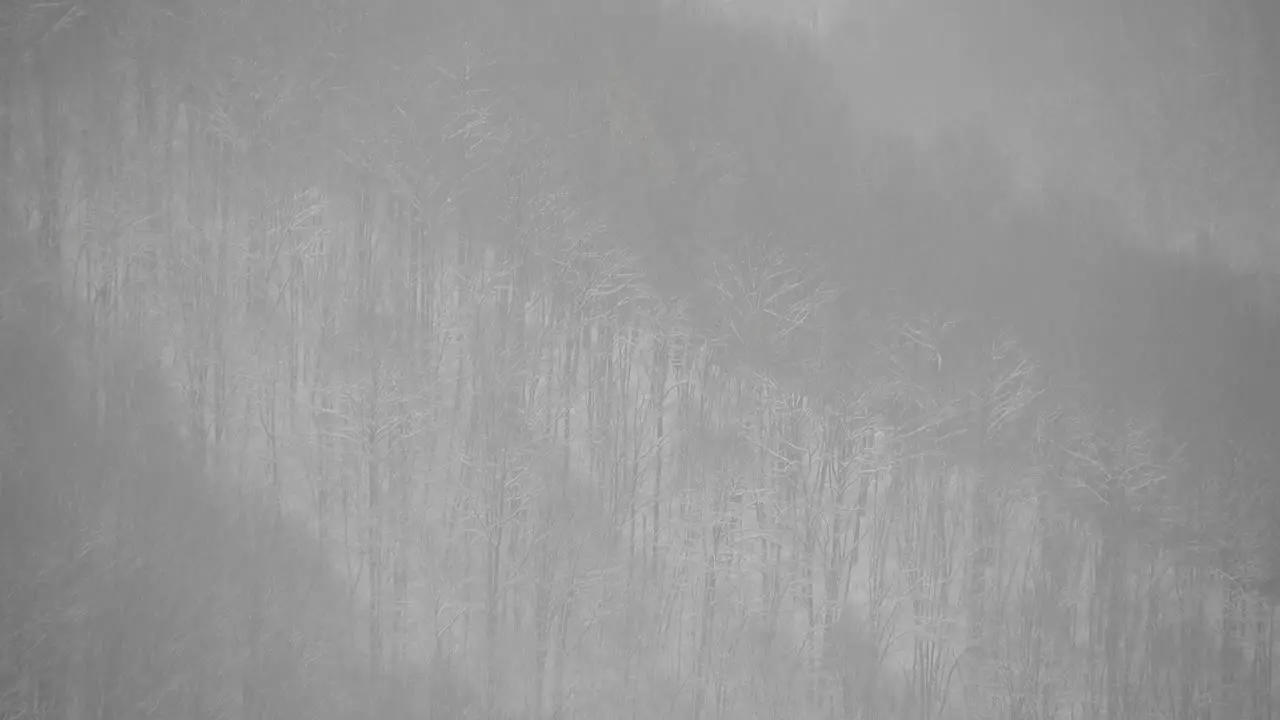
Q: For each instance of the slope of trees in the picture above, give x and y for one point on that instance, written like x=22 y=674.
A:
x=590 y=352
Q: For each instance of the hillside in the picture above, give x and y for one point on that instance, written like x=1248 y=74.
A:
x=589 y=359
x=133 y=587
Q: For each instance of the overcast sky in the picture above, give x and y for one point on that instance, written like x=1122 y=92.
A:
x=1159 y=105
x=916 y=66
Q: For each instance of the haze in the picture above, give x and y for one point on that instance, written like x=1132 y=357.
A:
x=639 y=359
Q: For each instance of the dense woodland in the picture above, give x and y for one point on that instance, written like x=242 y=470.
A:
x=592 y=359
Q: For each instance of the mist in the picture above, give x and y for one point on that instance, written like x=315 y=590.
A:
x=600 y=359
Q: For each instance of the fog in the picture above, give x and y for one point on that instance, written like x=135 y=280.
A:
x=634 y=359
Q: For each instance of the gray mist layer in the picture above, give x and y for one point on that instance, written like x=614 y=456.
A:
x=639 y=359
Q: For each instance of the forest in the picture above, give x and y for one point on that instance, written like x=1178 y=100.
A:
x=587 y=359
